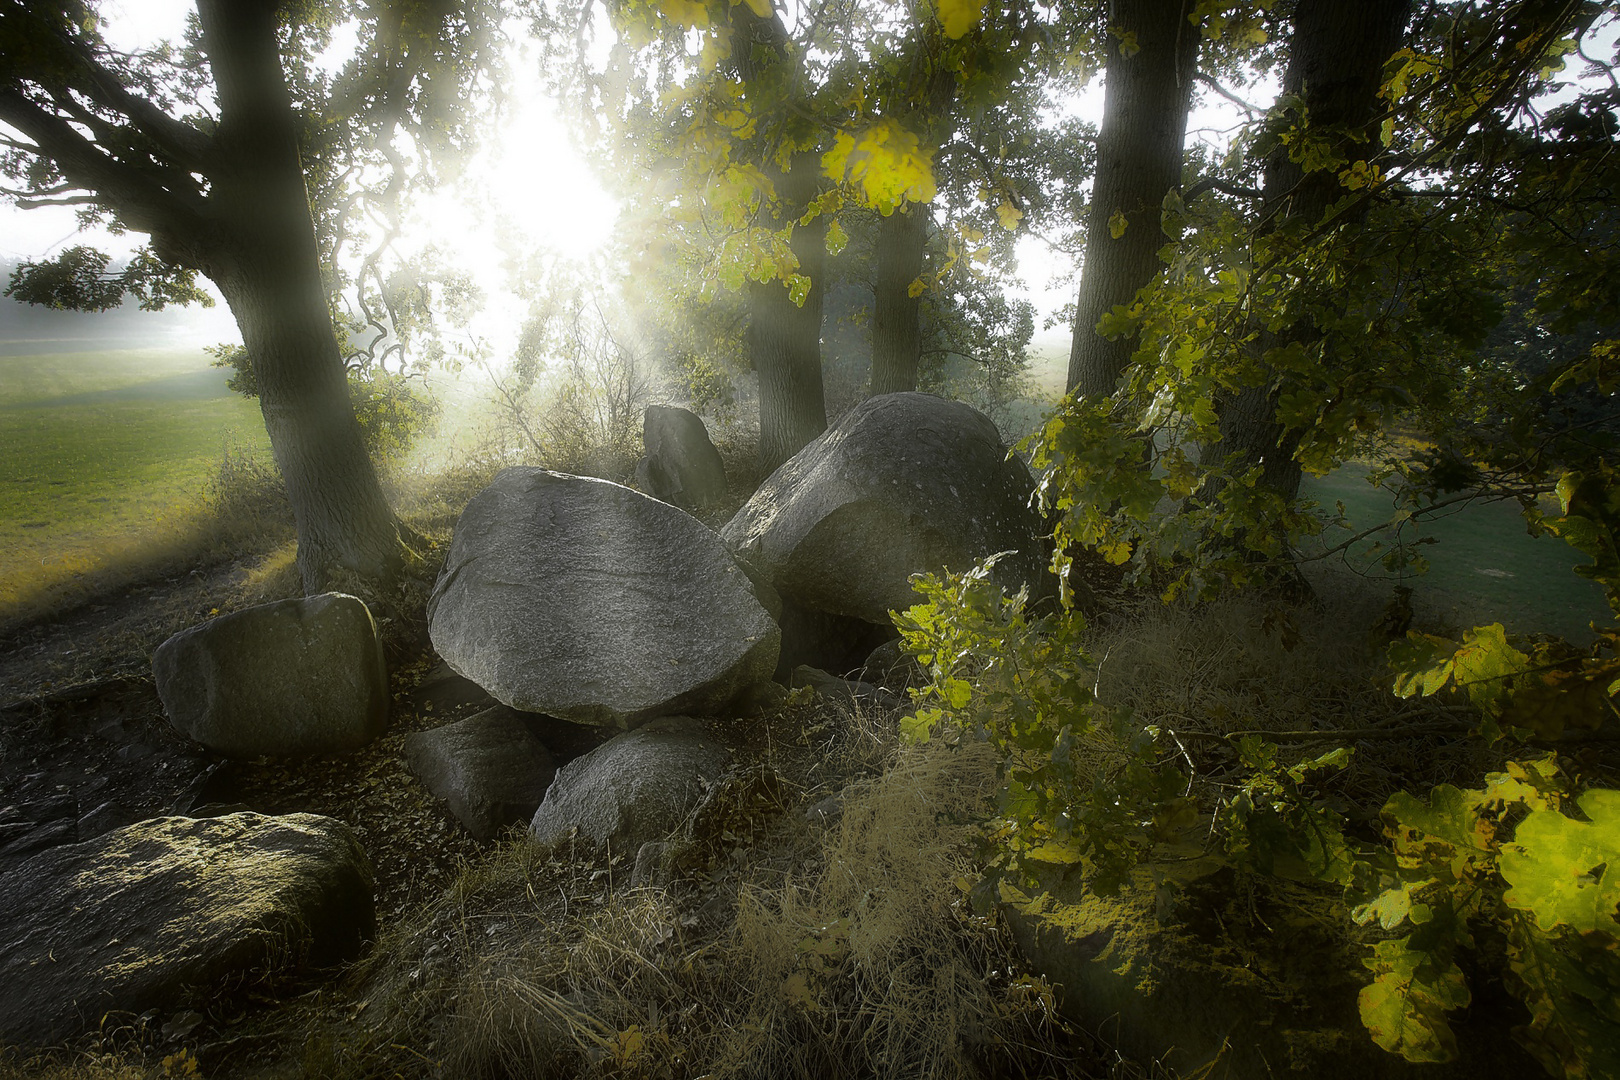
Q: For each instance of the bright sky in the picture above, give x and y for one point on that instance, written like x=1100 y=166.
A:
x=528 y=189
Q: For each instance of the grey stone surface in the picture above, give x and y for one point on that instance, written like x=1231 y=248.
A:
x=159 y=914
x=682 y=466
x=585 y=600
x=489 y=768
x=892 y=668
x=903 y=483
x=296 y=677
x=848 y=693
x=633 y=789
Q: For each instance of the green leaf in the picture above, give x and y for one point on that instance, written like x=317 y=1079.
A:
x=1390 y=908
x=1484 y=664
x=1566 y=872
x=957 y=693
x=1405 y=1007
x=918 y=726
x=1421 y=662
x=1117 y=224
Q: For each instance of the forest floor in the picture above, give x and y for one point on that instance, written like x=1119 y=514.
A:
x=82 y=731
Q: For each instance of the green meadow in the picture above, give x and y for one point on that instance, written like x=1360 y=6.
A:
x=1483 y=566
x=105 y=463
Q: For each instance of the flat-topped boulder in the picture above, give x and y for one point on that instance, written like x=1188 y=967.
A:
x=163 y=913
x=291 y=678
x=903 y=483
x=586 y=600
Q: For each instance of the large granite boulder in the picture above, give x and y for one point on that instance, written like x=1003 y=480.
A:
x=490 y=769
x=903 y=483
x=585 y=600
x=162 y=913
x=682 y=466
x=296 y=677
x=633 y=789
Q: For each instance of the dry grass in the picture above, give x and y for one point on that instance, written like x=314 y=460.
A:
x=780 y=947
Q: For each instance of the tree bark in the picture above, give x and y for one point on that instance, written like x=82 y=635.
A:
x=784 y=338
x=896 y=314
x=1335 y=65
x=1139 y=152
x=264 y=258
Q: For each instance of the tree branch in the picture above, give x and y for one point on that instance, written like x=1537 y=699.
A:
x=1210 y=82
x=1225 y=187
x=144 y=203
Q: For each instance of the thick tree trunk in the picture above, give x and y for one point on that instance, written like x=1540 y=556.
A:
x=896 y=313
x=784 y=338
x=1335 y=65
x=1139 y=151
x=265 y=260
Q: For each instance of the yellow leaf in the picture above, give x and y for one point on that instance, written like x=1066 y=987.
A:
x=1117 y=224
x=960 y=16
x=1060 y=852
x=689 y=13
x=796 y=988
x=1010 y=215
x=916 y=288
x=837 y=238
x=885 y=162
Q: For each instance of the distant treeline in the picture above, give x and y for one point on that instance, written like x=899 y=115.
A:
x=27 y=329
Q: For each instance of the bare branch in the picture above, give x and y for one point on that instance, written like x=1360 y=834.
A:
x=1209 y=81
x=135 y=195
x=1226 y=187
x=76 y=200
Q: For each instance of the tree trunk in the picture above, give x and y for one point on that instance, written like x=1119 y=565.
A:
x=265 y=260
x=784 y=338
x=1139 y=151
x=1335 y=65
x=896 y=313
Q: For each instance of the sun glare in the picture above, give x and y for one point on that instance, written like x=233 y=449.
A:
x=527 y=192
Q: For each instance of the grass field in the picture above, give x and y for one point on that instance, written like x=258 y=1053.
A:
x=1484 y=567
x=105 y=462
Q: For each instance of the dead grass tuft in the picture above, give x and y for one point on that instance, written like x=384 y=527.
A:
x=810 y=950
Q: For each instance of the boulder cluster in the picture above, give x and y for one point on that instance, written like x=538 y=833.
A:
x=575 y=604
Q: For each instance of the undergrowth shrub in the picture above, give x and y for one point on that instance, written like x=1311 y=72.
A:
x=1303 y=770
x=393 y=408
x=247 y=498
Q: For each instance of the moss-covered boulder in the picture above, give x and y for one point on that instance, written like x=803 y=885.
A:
x=1198 y=968
x=287 y=679
x=163 y=913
